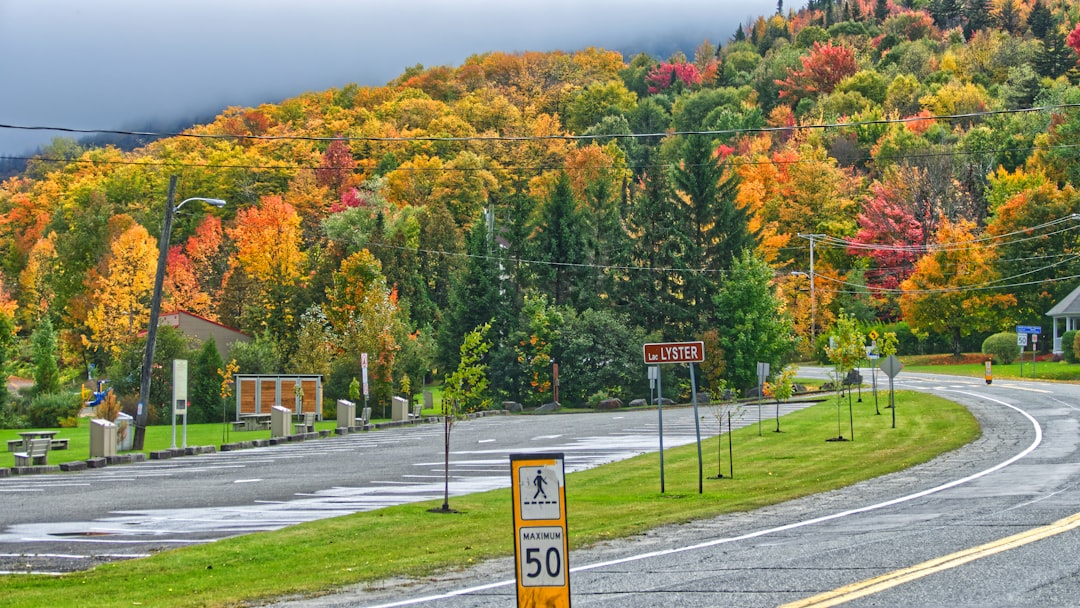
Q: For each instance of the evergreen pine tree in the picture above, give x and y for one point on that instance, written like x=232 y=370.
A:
x=740 y=34
x=475 y=297
x=652 y=289
x=1040 y=20
x=560 y=243
x=205 y=393
x=881 y=10
x=46 y=371
x=717 y=230
x=1054 y=58
x=1008 y=17
x=977 y=16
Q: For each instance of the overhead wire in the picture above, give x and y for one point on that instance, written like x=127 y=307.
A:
x=827 y=241
x=562 y=137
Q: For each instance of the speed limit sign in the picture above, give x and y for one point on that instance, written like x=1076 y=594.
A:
x=540 y=542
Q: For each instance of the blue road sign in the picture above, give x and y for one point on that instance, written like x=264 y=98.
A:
x=1028 y=329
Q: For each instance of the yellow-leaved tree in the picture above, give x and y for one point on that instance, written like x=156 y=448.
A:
x=120 y=296
x=950 y=291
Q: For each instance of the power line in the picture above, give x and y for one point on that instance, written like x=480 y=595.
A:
x=960 y=245
x=559 y=137
x=533 y=168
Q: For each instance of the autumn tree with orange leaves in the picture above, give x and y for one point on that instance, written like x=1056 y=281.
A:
x=951 y=291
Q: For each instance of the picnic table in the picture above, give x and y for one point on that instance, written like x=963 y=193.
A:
x=28 y=436
x=255 y=422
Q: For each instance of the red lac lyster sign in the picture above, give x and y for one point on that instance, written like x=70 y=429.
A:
x=674 y=352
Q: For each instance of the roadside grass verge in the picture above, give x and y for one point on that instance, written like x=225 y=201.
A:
x=1044 y=370
x=611 y=501
x=158 y=437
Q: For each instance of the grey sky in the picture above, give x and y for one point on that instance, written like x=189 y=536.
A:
x=108 y=64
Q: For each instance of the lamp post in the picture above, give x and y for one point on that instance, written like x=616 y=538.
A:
x=155 y=308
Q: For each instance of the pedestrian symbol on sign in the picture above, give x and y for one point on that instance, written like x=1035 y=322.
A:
x=539 y=483
x=539 y=493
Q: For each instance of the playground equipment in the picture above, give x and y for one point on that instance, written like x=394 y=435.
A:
x=96 y=397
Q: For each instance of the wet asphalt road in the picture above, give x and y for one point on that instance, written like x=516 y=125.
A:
x=1021 y=476
x=71 y=521
x=934 y=535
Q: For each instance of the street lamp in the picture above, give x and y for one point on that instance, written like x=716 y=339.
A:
x=155 y=308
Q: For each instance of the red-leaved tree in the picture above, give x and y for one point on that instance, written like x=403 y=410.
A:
x=667 y=74
x=887 y=232
x=824 y=68
x=1073 y=39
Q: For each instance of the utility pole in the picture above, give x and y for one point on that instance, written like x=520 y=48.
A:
x=813 y=295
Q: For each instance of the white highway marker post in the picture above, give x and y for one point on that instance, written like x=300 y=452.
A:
x=541 y=546
x=677 y=352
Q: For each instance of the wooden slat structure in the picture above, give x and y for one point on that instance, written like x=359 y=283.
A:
x=258 y=393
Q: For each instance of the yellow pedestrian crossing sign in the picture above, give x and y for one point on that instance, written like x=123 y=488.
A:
x=540 y=541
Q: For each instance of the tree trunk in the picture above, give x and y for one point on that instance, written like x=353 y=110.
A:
x=956 y=342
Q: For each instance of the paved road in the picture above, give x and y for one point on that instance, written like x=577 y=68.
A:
x=940 y=534
x=71 y=521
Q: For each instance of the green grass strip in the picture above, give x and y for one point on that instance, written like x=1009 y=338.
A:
x=608 y=502
x=1043 y=370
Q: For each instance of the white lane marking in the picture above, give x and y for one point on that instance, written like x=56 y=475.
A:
x=247 y=480
x=540 y=437
x=486 y=441
x=759 y=533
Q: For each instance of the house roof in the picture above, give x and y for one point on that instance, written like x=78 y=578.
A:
x=1069 y=306
x=179 y=311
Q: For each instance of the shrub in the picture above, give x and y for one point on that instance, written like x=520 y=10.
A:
x=1068 y=345
x=597 y=397
x=48 y=411
x=1001 y=346
x=109 y=408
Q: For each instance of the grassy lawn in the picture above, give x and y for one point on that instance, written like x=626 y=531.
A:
x=612 y=501
x=1044 y=370
x=158 y=437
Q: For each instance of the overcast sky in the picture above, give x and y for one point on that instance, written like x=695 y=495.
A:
x=110 y=64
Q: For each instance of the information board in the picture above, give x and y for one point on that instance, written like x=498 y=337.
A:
x=674 y=352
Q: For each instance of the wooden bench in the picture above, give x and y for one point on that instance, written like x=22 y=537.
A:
x=416 y=409
x=58 y=444
x=37 y=454
x=14 y=444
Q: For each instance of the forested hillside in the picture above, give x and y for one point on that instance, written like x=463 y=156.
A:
x=569 y=206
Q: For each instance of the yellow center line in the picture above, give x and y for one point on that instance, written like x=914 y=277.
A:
x=887 y=581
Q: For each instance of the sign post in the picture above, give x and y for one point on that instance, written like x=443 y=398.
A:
x=179 y=396
x=541 y=546
x=1034 y=352
x=762 y=376
x=892 y=366
x=656 y=353
x=1022 y=332
x=363 y=375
